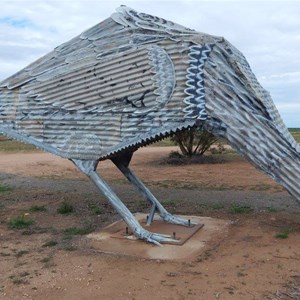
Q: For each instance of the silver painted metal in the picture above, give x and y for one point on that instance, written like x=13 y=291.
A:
x=122 y=163
x=132 y=80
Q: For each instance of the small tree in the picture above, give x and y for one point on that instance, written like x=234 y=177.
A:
x=194 y=141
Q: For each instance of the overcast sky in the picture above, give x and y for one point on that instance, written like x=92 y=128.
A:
x=267 y=32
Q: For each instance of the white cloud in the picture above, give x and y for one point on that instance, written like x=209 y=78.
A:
x=267 y=32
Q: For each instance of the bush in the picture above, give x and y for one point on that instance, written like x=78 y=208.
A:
x=194 y=141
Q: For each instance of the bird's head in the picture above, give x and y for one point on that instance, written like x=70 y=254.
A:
x=239 y=109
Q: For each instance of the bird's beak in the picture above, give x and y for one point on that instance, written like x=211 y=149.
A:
x=243 y=112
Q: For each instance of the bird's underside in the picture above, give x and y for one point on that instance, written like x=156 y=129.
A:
x=132 y=80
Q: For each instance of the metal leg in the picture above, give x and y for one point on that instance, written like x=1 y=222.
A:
x=122 y=164
x=89 y=168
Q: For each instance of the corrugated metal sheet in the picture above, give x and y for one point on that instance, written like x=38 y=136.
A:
x=113 y=98
x=134 y=79
x=253 y=126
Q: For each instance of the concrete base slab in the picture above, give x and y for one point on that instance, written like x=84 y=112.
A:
x=193 y=241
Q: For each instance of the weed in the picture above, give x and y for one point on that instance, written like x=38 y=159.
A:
x=217 y=206
x=5 y=188
x=20 y=222
x=20 y=281
x=2 y=206
x=24 y=274
x=284 y=234
x=34 y=230
x=204 y=256
x=46 y=259
x=240 y=209
x=50 y=244
x=169 y=203
x=261 y=187
x=21 y=253
x=65 y=208
x=95 y=209
x=70 y=232
x=143 y=204
x=272 y=209
x=37 y=208
x=68 y=247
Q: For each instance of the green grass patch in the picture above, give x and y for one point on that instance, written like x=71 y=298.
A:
x=5 y=188
x=272 y=209
x=295 y=132
x=284 y=233
x=95 y=208
x=15 y=146
x=20 y=222
x=164 y=143
x=72 y=231
x=65 y=208
x=296 y=136
x=37 y=208
x=51 y=243
x=217 y=206
x=240 y=209
x=169 y=203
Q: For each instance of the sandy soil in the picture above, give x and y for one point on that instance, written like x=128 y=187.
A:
x=44 y=262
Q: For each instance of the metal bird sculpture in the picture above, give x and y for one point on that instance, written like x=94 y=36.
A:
x=132 y=80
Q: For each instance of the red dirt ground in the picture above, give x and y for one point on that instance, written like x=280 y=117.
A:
x=248 y=262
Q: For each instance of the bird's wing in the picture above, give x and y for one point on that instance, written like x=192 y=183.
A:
x=126 y=29
x=99 y=81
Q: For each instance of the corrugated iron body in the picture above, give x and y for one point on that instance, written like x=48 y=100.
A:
x=115 y=86
x=134 y=79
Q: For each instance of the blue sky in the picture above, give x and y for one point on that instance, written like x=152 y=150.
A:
x=267 y=32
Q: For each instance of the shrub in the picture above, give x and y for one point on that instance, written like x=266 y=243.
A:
x=65 y=208
x=37 y=208
x=20 y=222
x=194 y=141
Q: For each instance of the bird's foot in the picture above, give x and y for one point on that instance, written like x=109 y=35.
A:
x=169 y=218
x=155 y=238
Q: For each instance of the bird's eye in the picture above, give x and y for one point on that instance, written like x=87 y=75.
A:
x=229 y=51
